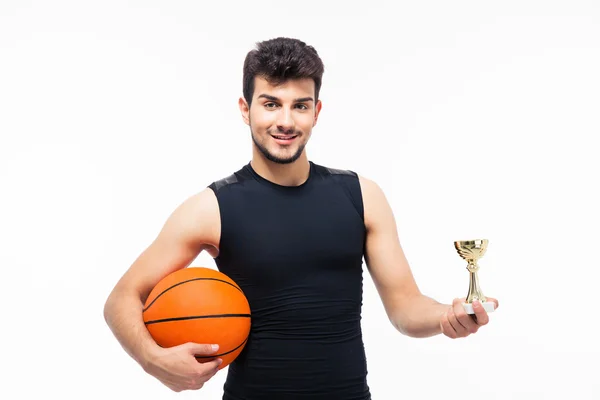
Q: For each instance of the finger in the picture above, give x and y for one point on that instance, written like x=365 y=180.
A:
x=460 y=330
x=495 y=301
x=174 y=388
x=210 y=374
x=480 y=314
x=207 y=375
x=202 y=349
x=205 y=359
x=447 y=329
x=195 y=384
x=210 y=368
x=463 y=318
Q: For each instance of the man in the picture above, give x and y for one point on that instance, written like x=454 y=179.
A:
x=293 y=235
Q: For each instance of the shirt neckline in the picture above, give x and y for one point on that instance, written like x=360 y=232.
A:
x=267 y=182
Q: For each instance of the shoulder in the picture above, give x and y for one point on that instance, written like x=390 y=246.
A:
x=368 y=187
x=365 y=192
x=372 y=193
x=375 y=202
x=230 y=180
x=198 y=213
x=325 y=171
x=193 y=225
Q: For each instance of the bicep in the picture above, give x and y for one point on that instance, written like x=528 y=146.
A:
x=192 y=227
x=384 y=256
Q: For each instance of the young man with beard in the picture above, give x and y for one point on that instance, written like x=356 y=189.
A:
x=293 y=235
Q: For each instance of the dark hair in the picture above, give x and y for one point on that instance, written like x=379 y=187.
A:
x=281 y=59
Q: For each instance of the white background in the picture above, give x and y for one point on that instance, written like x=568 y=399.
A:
x=479 y=119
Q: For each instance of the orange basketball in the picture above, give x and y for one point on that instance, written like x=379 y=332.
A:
x=199 y=305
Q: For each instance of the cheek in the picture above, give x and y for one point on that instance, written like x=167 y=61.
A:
x=260 y=119
x=307 y=123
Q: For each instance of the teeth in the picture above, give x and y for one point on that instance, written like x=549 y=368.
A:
x=284 y=137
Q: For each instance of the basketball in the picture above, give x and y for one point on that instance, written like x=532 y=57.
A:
x=199 y=305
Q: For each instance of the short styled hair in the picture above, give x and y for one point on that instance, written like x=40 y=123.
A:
x=281 y=59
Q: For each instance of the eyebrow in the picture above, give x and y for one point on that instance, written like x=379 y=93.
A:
x=273 y=98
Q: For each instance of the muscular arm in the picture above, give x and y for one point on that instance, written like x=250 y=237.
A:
x=411 y=312
x=192 y=227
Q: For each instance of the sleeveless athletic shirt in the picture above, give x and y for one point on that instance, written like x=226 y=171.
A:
x=296 y=252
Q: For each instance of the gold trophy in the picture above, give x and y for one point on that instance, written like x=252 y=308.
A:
x=472 y=251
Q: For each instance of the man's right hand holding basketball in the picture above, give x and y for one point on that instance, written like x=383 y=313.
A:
x=178 y=369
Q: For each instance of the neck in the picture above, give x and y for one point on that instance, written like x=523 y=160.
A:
x=293 y=174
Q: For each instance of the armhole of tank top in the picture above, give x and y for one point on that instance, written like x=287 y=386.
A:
x=358 y=197
x=216 y=192
x=351 y=181
x=217 y=187
x=357 y=200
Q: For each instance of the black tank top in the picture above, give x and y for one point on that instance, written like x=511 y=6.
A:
x=297 y=254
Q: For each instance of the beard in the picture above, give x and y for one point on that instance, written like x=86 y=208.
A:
x=272 y=157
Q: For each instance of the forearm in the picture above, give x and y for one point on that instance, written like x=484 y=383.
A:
x=420 y=317
x=123 y=315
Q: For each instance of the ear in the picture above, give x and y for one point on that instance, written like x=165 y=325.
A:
x=317 y=111
x=245 y=110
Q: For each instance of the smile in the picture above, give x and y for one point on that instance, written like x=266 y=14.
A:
x=283 y=139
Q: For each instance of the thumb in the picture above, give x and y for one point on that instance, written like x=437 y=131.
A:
x=202 y=349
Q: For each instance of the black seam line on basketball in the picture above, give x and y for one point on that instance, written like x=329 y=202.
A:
x=157 y=321
x=189 y=280
x=222 y=354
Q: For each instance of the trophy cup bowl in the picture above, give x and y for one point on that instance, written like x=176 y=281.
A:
x=471 y=251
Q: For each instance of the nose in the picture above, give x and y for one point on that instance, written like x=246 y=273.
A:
x=285 y=121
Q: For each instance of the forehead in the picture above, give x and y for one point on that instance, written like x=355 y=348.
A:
x=295 y=88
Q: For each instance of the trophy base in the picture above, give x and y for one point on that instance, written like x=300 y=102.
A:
x=488 y=306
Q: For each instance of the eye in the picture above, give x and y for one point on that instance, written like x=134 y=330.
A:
x=303 y=106
x=267 y=105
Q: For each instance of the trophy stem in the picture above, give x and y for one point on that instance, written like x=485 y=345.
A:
x=475 y=292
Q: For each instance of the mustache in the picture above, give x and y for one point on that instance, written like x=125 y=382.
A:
x=283 y=131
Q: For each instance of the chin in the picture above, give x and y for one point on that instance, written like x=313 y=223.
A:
x=284 y=157
x=281 y=158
